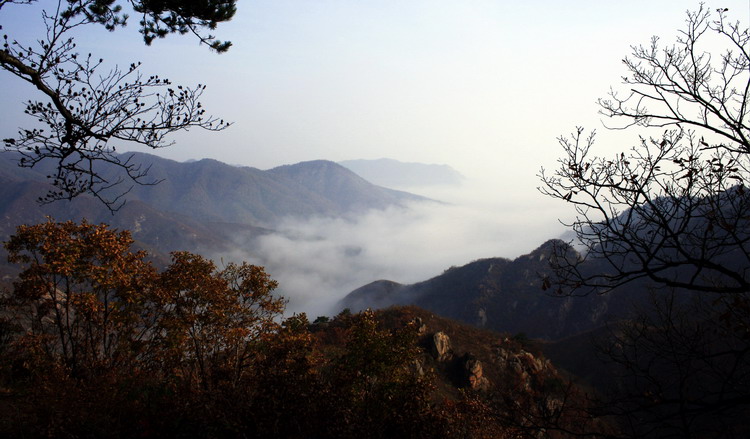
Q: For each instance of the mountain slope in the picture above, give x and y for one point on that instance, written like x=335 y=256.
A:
x=154 y=230
x=501 y=295
x=198 y=206
x=214 y=191
x=342 y=187
x=208 y=190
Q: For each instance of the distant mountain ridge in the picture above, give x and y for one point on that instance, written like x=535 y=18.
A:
x=395 y=174
x=349 y=190
x=502 y=295
x=202 y=204
x=214 y=191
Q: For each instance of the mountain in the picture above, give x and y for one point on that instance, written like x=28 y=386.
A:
x=154 y=230
x=214 y=191
x=507 y=378
x=347 y=190
x=396 y=174
x=208 y=190
x=201 y=205
x=502 y=295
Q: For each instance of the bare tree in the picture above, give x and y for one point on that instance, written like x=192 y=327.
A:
x=671 y=214
x=83 y=110
x=673 y=209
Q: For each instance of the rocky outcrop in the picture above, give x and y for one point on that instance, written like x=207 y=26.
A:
x=482 y=363
x=420 y=325
x=467 y=370
x=474 y=373
x=527 y=368
x=417 y=366
x=441 y=347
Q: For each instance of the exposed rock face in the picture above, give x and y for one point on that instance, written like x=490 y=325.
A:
x=474 y=373
x=421 y=327
x=417 y=366
x=466 y=359
x=526 y=366
x=441 y=347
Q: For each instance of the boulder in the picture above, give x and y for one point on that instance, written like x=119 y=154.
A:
x=417 y=366
x=441 y=347
x=420 y=325
x=474 y=374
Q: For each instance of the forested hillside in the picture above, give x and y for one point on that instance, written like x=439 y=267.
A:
x=504 y=295
x=96 y=342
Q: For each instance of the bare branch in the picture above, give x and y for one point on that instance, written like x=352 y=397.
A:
x=87 y=111
x=674 y=209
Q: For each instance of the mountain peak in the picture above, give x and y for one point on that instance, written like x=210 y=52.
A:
x=210 y=190
x=552 y=247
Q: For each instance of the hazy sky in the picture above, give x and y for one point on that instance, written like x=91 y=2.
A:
x=485 y=86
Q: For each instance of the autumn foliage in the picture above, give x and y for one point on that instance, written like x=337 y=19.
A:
x=97 y=342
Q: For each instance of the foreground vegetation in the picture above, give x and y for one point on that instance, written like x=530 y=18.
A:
x=96 y=342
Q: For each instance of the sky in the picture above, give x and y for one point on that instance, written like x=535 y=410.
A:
x=483 y=86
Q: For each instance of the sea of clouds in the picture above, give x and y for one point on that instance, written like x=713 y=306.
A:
x=317 y=261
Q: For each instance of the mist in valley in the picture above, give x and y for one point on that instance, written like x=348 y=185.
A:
x=317 y=261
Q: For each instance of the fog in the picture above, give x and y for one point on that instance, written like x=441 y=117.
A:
x=318 y=261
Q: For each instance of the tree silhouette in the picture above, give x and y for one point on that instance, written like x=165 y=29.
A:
x=83 y=110
x=682 y=367
x=672 y=214
x=673 y=210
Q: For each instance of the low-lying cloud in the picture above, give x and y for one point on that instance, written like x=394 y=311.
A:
x=318 y=261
